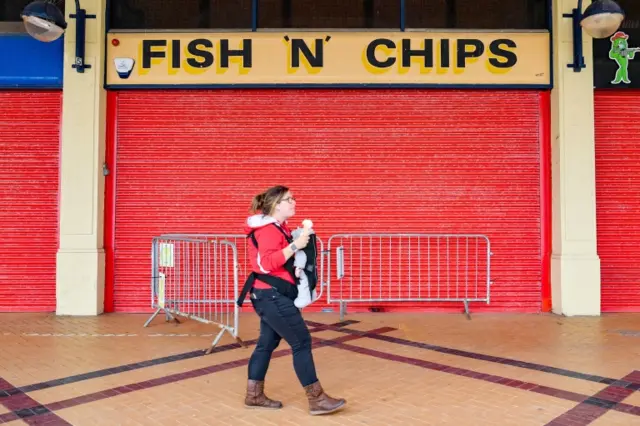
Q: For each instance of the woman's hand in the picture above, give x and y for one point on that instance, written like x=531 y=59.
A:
x=302 y=241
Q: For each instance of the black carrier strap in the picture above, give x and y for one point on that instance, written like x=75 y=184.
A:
x=311 y=269
x=282 y=286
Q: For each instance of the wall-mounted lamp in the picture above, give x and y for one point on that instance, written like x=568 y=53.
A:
x=601 y=19
x=44 y=21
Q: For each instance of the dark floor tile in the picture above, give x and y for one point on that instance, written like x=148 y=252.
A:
x=598 y=402
x=49 y=419
x=24 y=412
x=40 y=410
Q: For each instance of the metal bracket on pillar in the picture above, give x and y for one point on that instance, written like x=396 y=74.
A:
x=578 y=57
x=601 y=19
x=81 y=19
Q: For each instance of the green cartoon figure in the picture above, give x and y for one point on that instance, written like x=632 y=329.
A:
x=621 y=53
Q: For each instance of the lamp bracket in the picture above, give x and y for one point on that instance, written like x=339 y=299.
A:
x=80 y=16
x=578 y=57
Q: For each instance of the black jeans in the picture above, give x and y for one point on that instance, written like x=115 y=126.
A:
x=279 y=318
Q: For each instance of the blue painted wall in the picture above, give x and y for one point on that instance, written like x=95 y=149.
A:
x=26 y=63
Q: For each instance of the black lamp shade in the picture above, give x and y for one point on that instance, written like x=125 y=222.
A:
x=47 y=11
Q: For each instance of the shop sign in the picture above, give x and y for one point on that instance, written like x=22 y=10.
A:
x=332 y=58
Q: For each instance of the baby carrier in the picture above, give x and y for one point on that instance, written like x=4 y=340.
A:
x=282 y=286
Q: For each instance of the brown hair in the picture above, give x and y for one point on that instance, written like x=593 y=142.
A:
x=266 y=201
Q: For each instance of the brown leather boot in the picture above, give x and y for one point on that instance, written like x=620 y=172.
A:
x=320 y=402
x=257 y=399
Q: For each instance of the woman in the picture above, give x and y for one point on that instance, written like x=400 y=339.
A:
x=272 y=291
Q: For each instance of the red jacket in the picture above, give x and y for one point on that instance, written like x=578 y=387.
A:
x=269 y=259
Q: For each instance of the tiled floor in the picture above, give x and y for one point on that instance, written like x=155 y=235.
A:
x=392 y=369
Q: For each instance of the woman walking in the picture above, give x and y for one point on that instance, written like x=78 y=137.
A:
x=272 y=289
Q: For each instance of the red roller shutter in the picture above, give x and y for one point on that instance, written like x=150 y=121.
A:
x=617 y=132
x=29 y=160
x=358 y=161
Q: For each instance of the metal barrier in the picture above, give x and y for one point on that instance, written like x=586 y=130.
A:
x=409 y=268
x=240 y=240
x=196 y=276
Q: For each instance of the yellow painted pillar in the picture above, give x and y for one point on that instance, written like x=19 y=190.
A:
x=80 y=260
x=575 y=265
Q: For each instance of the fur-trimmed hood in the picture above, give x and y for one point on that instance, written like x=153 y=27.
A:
x=258 y=221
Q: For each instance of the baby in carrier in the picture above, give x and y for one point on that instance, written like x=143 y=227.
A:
x=306 y=273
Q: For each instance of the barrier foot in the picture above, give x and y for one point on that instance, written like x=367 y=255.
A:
x=152 y=317
x=219 y=336
x=343 y=310
x=215 y=341
x=170 y=317
x=240 y=342
x=466 y=309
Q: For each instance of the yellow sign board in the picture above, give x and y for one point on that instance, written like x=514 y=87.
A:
x=340 y=57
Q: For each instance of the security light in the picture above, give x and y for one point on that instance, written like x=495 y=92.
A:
x=43 y=21
x=601 y=19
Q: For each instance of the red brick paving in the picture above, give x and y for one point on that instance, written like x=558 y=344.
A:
x=430 y=369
